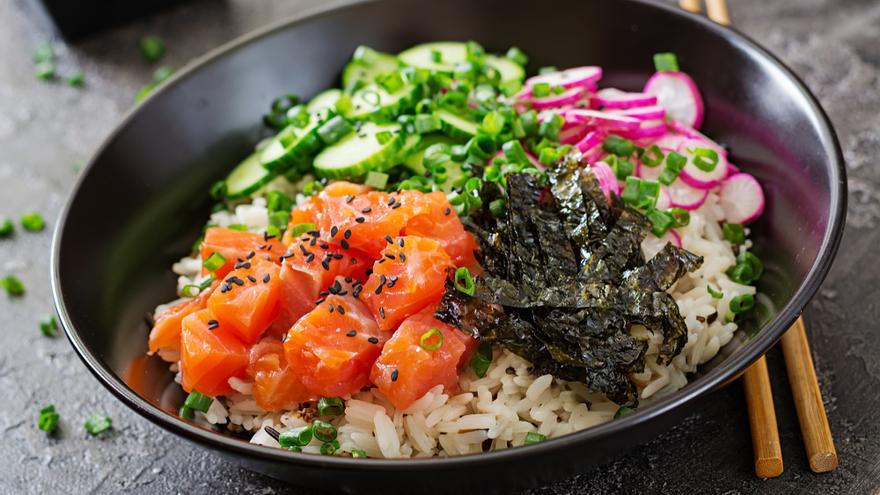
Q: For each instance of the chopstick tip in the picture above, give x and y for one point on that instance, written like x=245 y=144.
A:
x=822 y=462
x=768 y=467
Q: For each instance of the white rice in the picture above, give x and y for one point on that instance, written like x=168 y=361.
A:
x=509 y=402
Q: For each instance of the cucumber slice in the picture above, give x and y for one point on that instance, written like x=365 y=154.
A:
x=247 y=177
x=414 y=161
x=323 y=101
x=357 y=71
x=455 y=126
x=359 y=153
x=453 y=53
x=373 y=101
x=291 y=146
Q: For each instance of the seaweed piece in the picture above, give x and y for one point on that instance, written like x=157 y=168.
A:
x=565 y=279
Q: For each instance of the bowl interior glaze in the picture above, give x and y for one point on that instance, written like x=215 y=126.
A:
x=143 y=199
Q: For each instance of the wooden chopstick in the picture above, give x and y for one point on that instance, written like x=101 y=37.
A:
x=808 y=400
x=717 y=11
x=762 y=421
x=690 y=5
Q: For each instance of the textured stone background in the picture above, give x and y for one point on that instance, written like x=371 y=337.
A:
x=45 y=129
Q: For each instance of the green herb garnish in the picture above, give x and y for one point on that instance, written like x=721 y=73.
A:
x=98 y=423
x=152 y=48
x=330 y=406
x=48 y=420
x=12 y=285
x=533 y=437
x=49 y=326
x=33 y=222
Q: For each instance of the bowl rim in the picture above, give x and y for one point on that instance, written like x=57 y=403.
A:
x=719 y=376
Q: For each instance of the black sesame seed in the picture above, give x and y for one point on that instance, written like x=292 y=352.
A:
x=331 y=308
x=324 y=292
x=351 y=333
x=344 y=244
x=337 y=256
x=357 y=290
x=382 y=312
x=285 y=256
x=391 y=201
x=266 y=278
x=393 y=278
x=340 y=309
x=368 y=272
x=319 y=301
x=313 y=241
x=326 y=264
x=313 y=233
x=261 y=246
x=252 y=279
x=389 y=256
x=381 y=261
x=389 y=240
x=251 y=255
x=382 y=279
x=303 y=249
x=373 y=340
x=349 y=199
x=400 y=242
x=347 y=233
x=396 y=206
x=212 y=324
x=402 y=257
x=348 y=280
x=394 y=375
x=379 y=289
x=333 y=230
x=360 y=219
x=448 y=211
x=366 y=210
x=310 y=258
x=324 y=245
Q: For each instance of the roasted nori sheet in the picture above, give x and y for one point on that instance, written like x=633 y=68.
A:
x=565 y=279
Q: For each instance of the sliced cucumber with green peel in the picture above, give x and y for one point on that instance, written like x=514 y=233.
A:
x=445 y=55
x=291 y=146
x=414 y=160
x=323 y=101
x=373 y=101
x=359 y=152
x=247 y=177
x=359 y=71
x=456 y=126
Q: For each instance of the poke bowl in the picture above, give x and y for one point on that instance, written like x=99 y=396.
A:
x=511 y=245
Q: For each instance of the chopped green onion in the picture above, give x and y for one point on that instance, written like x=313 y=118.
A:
x=297 y=437
x=278 y=201
x=661 y=222
x=323 y=431
x=312 y=188
x=284 y=103
x=358 y=454
x=436 y=154
x=48 y=420
x=482 y=359
x=474 y=51
x=198 y=401
x=493 y=123
x=384 y=136
x=76 y=80
x=213 y=262
x=653 y=156
x=45 y=71
x=547 y=69
x=44 y=52
x=480 y=147
x=301 y=228
x=423 y=340
x=641 y=193
x=623 y=167
x=517 y=56
x=298 y=116
x=186 y=413
x=33 y=222
x=425 y=123
x=498 y=208
x=551 y=126
x=742 y=303
x=747 y=270
x=618 y=145
x=330 y=406
x=529 y=122
x=666 y=61
x=675 y=162
x=7 y=228
x=541 y=89
x=515 y=153
x=273 y=231
x=716 y=294
x=705 y=159
x=190 y=290
x=463 y=281
x=436 y=56
x=207 y=282
x=623 y=411
x=279 y=219
x=49 y=326
x=734 y=233
x=391 y=82
x=454 y=101
x=97 y=424
x=365 y=55
x=330 y=448
x=12 y=285
x=152 y=48
x=681 y=216
x=239 y=227
x=533 y=437
x=334 y=129
x=159 y=76
x=376 y=180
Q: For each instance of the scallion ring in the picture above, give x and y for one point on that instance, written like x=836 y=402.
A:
x=463 y=281
x=424 y=340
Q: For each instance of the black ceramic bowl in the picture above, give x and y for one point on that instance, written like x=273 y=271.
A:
x=139 y=204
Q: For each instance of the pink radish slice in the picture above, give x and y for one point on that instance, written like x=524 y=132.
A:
x=611 y=98
x=650 y=173
x=679 y=94
x=642 y=113
x=685 y=196
x=602 y=119
x=576 y=77
x=647 y=129
x=741 y=198
x=607 y=179
x=573 y=134
x=732 y=169
x=693 y=175
x=591 y=140
x=567 y=97
x=664 y=200
x=653 y=245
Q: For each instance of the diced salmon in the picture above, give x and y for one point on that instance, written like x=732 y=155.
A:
x=209 y=356
x=276 y=387
x=248 y=299
x=236 y=246
x=410 y=275
x=333 y=347
x=166 y=329
x=438 y=221
x=410 y=366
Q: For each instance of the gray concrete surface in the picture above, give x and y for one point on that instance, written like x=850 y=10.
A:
x=45 y=129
